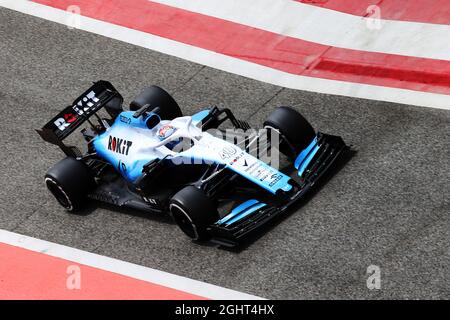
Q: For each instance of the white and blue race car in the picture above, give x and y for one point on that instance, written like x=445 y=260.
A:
x=154 y=159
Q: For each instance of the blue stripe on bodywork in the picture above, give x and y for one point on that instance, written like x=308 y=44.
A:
x=308 y=160
x=199 y=116
x=245 y=213
x=242 y=207
x=302 y=156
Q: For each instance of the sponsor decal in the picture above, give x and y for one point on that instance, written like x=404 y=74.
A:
x=119 y=145
x=239 y=157
x=81 y=108
x=86 y=103
x=275 y=178
x=64 y=122
x=124 y=119
x=166 y=131
x=69 y=117
x=263 y=173
x=256 y=169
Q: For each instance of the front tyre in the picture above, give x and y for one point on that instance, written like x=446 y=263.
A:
x=296 y=131
x=193 y=212
x=69 y=181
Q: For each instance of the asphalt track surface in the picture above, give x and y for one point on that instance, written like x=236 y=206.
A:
x=389 y=206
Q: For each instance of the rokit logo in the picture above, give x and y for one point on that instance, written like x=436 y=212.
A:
x=119 y=145
x=83 y=107
x=85 y=104
x=65 y=121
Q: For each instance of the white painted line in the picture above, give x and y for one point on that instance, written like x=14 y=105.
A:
x=233 y=65
x=329 y=27
x=124 y=268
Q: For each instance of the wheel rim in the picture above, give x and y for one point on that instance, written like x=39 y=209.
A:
x=184 y=221
x=59 y=194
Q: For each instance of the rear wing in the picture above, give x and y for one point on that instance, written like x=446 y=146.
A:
x=101 y=94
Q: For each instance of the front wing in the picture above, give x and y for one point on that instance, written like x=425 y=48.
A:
x=312 y=164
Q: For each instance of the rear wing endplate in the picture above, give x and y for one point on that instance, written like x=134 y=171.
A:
x=101 y=94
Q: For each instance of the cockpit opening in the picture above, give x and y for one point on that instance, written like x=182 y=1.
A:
x=180 y=145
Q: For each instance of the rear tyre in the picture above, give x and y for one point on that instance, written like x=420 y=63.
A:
x=293 y=127
x=157 y=97
x=193 y=211
x=70 y=181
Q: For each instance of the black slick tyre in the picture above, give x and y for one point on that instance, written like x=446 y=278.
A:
x=293 y=127
x=157 y=97
x=193 y=211
x=69 y=181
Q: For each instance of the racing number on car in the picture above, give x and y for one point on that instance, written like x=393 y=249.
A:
x=227 y=152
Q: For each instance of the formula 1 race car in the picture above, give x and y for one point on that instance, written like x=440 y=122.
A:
x=154 y=159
